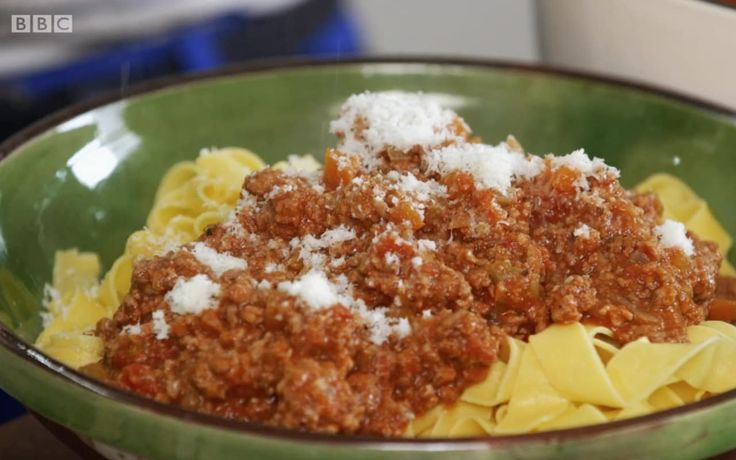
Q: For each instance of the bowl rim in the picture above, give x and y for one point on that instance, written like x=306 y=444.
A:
x=27 y=352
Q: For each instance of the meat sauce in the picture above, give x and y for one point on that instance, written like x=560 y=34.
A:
x=463 y=266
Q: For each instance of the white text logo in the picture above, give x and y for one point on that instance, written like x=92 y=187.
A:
x=41 y=24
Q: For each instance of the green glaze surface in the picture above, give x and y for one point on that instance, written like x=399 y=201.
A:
x=89 y=181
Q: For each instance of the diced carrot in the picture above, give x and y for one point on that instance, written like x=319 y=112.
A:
x=339 y=169
x=459 y=183
x=564 y=178
x=405 y=212
x=722 y=310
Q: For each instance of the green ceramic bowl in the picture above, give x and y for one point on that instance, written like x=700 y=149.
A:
x=86 y=178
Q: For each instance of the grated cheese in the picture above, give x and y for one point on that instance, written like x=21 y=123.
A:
x=398 y=119
x=193 y=295
x=132 y=329
x=313 y=288
x=672 y=234
x=491 y=166
x=426 y=314
x=309 y=246
x=218 y=262
x=278 y=190
x=318 y=292
x=160 y=326
x=580 y=161
x=391 y=258
x=422 y=190
x=426 y=245
x=417 y=261
x=582 y=231
x=273 y=267
x=419 y=191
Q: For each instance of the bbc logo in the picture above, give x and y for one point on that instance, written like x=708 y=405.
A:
x=41 y=24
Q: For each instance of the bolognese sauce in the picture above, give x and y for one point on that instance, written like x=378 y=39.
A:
x=355 y=298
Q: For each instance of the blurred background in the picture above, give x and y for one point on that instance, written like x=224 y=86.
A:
x=57 y=52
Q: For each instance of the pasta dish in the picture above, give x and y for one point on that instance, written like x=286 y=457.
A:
x=418 y=282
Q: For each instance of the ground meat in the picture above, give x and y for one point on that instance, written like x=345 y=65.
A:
x=463 y=266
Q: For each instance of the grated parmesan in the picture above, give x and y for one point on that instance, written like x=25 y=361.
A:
x=491 y=166
x=583 y=231
x=588 y=167
x=398 y=119
x=309 y=246
x=279 y=190
x=391 y=258
x=193 y=295
x=426 y=245
x=160 y=326
x=318 y=292
x=672 y=234
x=132 y=329
x=218 y=262
x=313 y=288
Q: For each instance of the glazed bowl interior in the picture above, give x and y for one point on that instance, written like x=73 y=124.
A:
x=86 y=178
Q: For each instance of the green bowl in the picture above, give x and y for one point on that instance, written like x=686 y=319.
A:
x=86 y=178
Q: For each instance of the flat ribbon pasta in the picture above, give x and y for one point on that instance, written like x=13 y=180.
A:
x=564 y=378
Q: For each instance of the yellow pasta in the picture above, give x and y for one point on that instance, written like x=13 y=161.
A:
x=566 y=376
x=552 y=390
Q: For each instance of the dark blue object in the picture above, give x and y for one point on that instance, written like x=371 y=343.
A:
x=9 y=408
x=339 y=37
x=188 y=49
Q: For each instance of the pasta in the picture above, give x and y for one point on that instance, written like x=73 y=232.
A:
x=537 y=387
x=533 y=387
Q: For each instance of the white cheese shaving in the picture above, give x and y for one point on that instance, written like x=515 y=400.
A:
x=583 y=231
x=419 y=192
x=309 y=246
x=132 y=329
x=318 y=292
x=313 y=288
x=160 y=326
x=491 y=166
x=398 y=119
x=391 y=258
x=193 y=295
x=426 y=245
x=218 y=262
x=273 y=267
x=426 y=313
x=380 y=326
x=278 y=190
x=417 y=261
x=580 y=161
x=673 y=234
